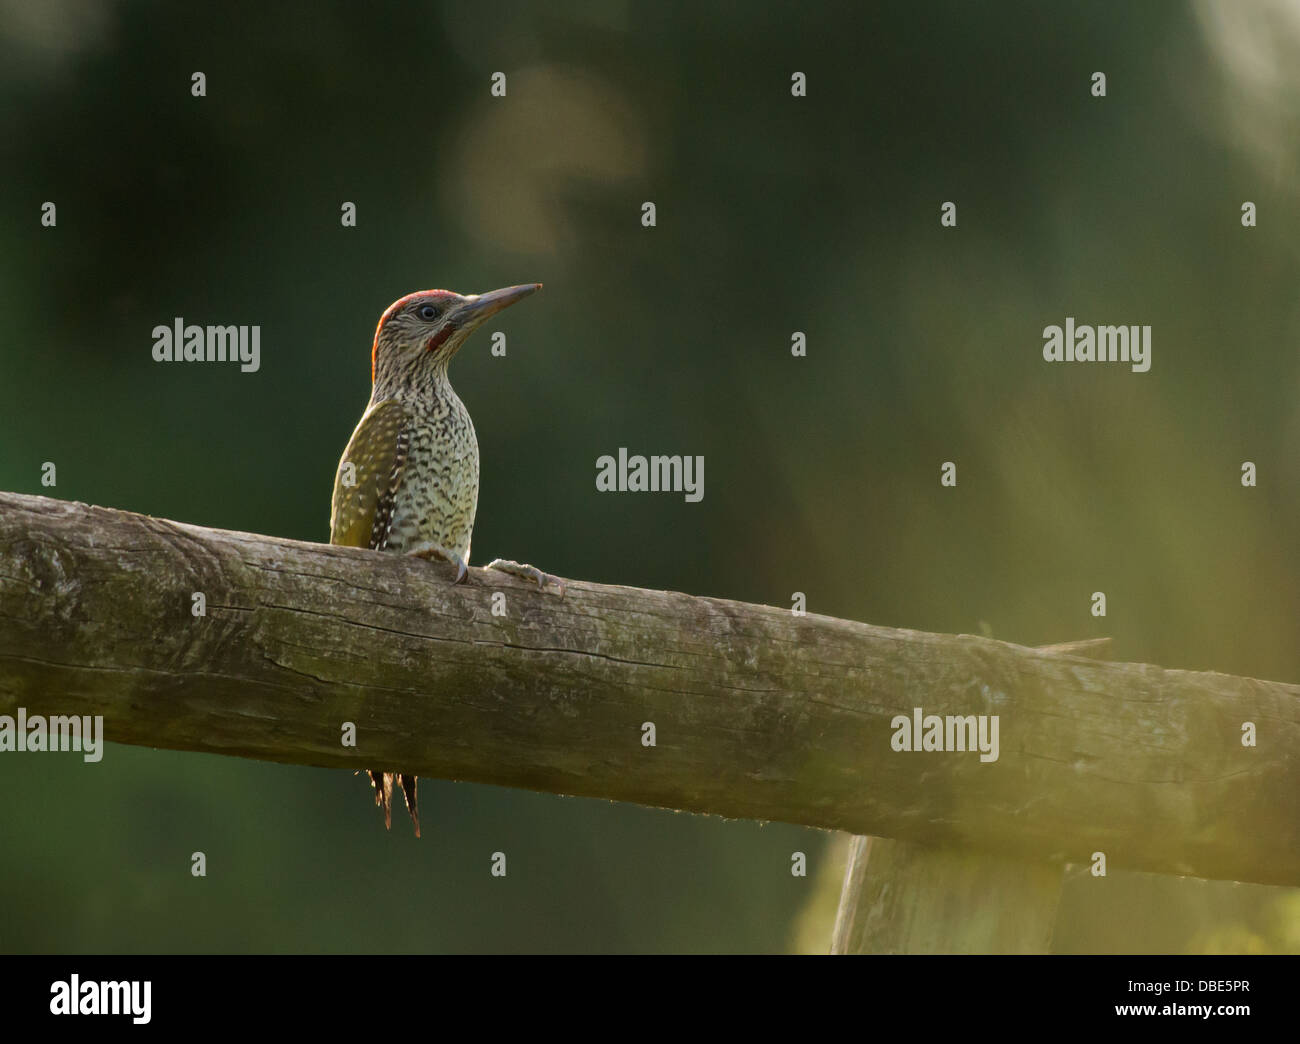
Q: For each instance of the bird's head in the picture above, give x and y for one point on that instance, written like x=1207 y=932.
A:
x=418 y=334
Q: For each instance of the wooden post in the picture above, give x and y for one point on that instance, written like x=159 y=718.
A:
x=901 y=897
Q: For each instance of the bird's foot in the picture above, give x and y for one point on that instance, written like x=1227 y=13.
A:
x=526 y=572
x=428 y=549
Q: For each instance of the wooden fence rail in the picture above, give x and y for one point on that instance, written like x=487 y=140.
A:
x=756 y=713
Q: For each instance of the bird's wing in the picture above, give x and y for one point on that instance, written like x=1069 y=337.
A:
x=362 y=512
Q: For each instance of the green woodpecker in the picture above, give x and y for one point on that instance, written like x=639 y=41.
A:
x=408 y=479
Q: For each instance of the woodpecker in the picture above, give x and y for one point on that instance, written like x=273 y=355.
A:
x=407 y=482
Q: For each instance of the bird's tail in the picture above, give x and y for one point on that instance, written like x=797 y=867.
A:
x=408 y=791
x=383 y=784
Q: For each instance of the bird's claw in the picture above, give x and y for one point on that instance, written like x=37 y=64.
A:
x=429 y=550
x=527 y=572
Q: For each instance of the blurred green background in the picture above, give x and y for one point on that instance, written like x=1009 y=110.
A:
x=775 y=214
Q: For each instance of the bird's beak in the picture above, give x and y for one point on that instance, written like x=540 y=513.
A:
x=478 y=308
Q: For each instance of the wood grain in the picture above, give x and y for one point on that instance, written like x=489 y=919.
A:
x=759 y=713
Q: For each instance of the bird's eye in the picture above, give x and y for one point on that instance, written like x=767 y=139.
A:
x=429 y=312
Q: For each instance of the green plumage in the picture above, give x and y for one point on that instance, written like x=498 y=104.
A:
x=369 y=476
